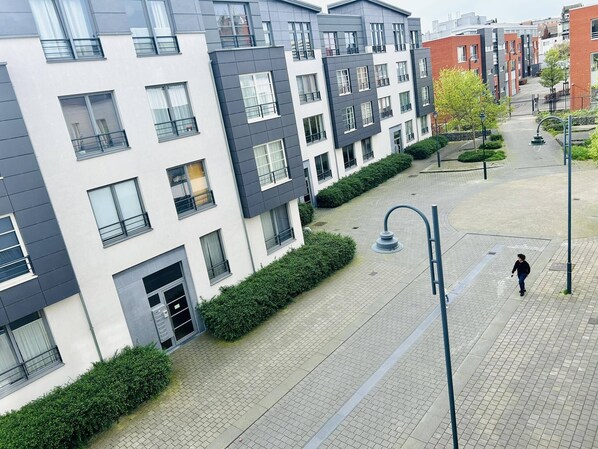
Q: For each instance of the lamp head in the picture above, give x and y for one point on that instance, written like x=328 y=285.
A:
x=482 y=116
x=387 y=243
x=435 y=115
x=538 y=140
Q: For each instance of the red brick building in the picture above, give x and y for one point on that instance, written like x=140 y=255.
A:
x=583 y=40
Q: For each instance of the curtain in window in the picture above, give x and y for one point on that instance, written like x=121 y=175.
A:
x=282 y=220
x=263 y=164
x=197 y=178
x=46 y=18
x=104 y=113
x=158 y=104
x=32 y=340
x=178 y=100
x=277 y=159
x=269 y=229
x=159 y=18
x=130 y=207
x=77 y=118
x=105 y=213
x=7 y=359
x=263 y=88
x=78 y=19
x=213 y=254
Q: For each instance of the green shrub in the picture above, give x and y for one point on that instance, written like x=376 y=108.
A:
x=306 y=213
x=492 y=145
x=479 y=156
x=443 y=140
x=425 y=148
x=498 y=155
x=495 y=137
x=580 y=153
x=68 y=416
x=239 y=309
x=349 y=187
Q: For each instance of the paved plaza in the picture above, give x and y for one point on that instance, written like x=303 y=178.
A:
x=358 y=362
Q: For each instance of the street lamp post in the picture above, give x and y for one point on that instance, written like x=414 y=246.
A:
x=435 y=115
x=538 y=140
x=482 y=118
x=387 y=244
x=473 y=58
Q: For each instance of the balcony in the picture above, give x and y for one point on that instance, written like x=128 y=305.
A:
x=367 y=156
x=280 y=238
x=352 y=50
x=186 y=205
x=332 y=52
x=216 y=271
x=344 y=89
x=25 y=370
x=310 y=97
x=124 y=228
x=261 y=111
x=100 y=143
x=299 y=55
x=349 y=126
x=379 y=48
x=410 y=137
x=159 y=45
x=405 y=107
x=368 y=120
x=385 y=113
x=15 y=268
x=594 y=34
x=363 y=85
x=425 y=130
x=400 y=47
x=273 y=177
x=238 y=41
x=350 y=163
x=315 y=137
x=326 y=174
x=60 y=49
x=403 y=78
x=381 y=82
x=176 y=128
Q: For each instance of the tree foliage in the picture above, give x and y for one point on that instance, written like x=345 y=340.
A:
x=558 y=53
x=552 y=74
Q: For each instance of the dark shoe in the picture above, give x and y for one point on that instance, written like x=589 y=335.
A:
x=520 y=293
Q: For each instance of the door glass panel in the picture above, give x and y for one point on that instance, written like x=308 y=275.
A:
x=162 y=277
x=178 y=308
x=184 y=330
x=154 y=300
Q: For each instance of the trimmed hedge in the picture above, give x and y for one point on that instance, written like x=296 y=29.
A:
x=427 y=147
x=241 y=308
x=495 y=137
x=580 y=153
x=479 y=156
x=370 y=176
x=68 y=416
x=492 y=145
x=306 y=213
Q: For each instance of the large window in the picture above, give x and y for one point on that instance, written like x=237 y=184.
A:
x=423 y=121
x=367 y=115
x=314 y=129
x=425 y=95
x=382 y=75
x=13 y=260
x=151 y=28
x=308 y=88
x=473 y=50
x=344 y=81
x=461 y=53
x=171 y=110
x=301 y=40
x=385 y=107
x=398 y=30
x=65 y=29
x=268 y=37
x=323 y=167
x=409 y=130
x=277 y=227
x=233 y=25
x=402 y=72
x=594 y=34
x=349 y=156
x=26 y=349
x=213 y=253
x=363 y=79
x=349 y=119
x=271 y=163
x=119 y=211
x=258 y=96
x=351 y=42
x=330 y=44
x=423 y=68
x=415 y=38
x=93 y=124
x=378 y=38
x=190 y=188
x=405 y=101
x=366 y=149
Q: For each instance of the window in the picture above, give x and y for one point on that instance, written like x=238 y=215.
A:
x=119 y=211
x=382 y=75
x=308 y=88
x=378 y=39
x=349 y=119
x=363 y=79
x=425 y=95
x=405 y=101
x=351 y=42
x=594 y=62
x=367 y=115
x=414 y=36
x=344 y=81
x=349 y=156
x=461 y=54
x=277 y=227
x=213 y=254
x=409 y=130
x=473 y=50
x=14 y=262
x=366 y=149
x=314 y=129
x=330 y=44
x=267 y=27
x=65 y=29
x=190 y=188
x=424 y=125
x=172 y=112
x=26 y=349
x=271 y=163
x=323 y=167
x=150 y=27
x=233 y=25
x=423 y=68
x=93 y=124
x=258 y=96
x=594 y=29
x=398 y=30
x=402 y=72
x=301 y=40
x=385 y=107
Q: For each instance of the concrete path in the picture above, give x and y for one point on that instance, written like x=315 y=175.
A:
x=358 y=361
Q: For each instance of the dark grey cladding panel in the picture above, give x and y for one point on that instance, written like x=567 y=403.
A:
x=279 y=14
x=16 y=19
x=110 y=16
x=186 y=16
x=419 y=83
x=23 y=194
x=243 y=136
x=340 y=24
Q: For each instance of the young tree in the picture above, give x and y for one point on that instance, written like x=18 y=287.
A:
x=460 y=96
x=551 y=75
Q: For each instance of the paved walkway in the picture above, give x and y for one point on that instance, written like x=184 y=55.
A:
x=358 y=361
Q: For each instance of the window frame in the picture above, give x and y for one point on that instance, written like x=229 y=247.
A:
x=425 y=95
x=351 y=42
x=314 y=123
x=196 y=208
x=363 y=78
x=405 y=107
x=349 y=159
x=462 y=53
x=378 y=37
x=269 y=153
x=236 y=43
x=385 y=107
x=308 y=96
x=30 y=273
x=210 y=267
x=343 y=80
x=366 y=144
x=348 y=122
x=301 y=48
x=288 y=234
x=321 y=173
x=423 y=68
x=402 y=71
x=409 y=127
x=191 y=128
x=330 y=40
x=268 y=35
x=273 y=104
x=172 y=42
x=381 y=75
x=398 y=30
x=365 y=114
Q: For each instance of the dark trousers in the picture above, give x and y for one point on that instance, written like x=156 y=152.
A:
x=522 y=277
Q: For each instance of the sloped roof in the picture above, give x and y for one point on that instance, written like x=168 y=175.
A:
x=376 y=2
x=302 y=4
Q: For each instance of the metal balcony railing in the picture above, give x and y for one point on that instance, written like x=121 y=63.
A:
x=124 y=228
x=308 y=97
x=275 y=176
x=238 y=41
x=332 y=52
x=369 y=155
x=71 y=48
x=344 y=89
x=379 y=48
x=385 y=113
x=280 y=238
x=176 y=128
x=26 y=369
x=326 y=174
x=298 y=55
x=410 y=136
x=350 y=163
x=594 y=34
x=363 y=85
x=261 y=110
x=405 y=107
x=381 y=82
x=400 y=47
x=15 y=268
x=218 y=270
x=352 y=50
x=316 y=137
x=349 y=126
x=161 y=45
x=100 y=143
x=425 y=130
x=192 y=203
x=368 y=120
x=403 y=78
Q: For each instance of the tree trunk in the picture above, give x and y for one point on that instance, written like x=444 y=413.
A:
x=473 y=133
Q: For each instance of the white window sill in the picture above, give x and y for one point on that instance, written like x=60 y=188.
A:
x=16 y=281
x=274 y=184
x=261 y=119
x=346 y=93
x=350 y=131
x=368 y=124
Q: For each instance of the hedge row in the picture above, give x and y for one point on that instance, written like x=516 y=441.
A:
x=349 y=187
x=241 y=308
x=479 y=156
x=427 y=147
x=68 y=416
x=306 y=213
x=495 y=137
x=492 y=145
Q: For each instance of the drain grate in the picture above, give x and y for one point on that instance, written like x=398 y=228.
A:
x=492 y=253
x=320 y=223
x=373 y=273
x=355 y=227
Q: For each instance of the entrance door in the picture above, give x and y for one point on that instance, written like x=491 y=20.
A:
x=397 y=141
x=307 y=197
x=171 y=313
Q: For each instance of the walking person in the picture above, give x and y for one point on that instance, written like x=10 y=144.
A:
x=523 y=269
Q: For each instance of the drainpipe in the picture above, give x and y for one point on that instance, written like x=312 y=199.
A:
x=93 y=334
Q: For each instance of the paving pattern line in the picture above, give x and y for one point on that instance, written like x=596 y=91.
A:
x=332 y=424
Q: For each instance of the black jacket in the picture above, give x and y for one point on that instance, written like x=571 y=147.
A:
x=521 y=267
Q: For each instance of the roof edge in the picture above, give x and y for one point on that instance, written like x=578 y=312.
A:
x=376 y=2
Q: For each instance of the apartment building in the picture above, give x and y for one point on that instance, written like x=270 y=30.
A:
x=154 y=151
x=583 y=47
